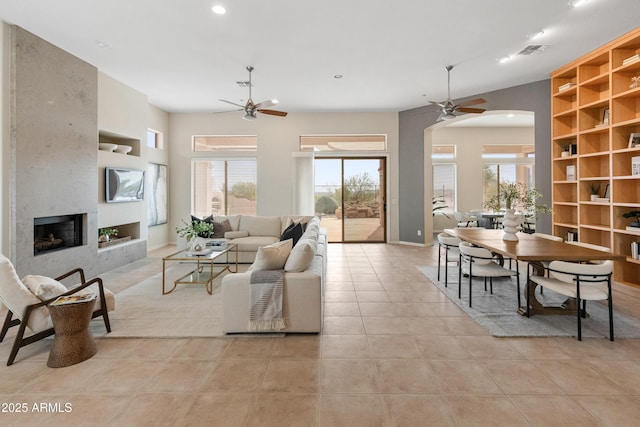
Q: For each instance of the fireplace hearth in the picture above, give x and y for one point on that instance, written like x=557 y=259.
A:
x=59 y=232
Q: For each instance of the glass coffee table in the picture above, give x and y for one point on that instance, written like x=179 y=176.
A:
x=205 y=264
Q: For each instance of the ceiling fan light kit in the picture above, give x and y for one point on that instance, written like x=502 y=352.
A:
x=449 y=108
x=250 y=109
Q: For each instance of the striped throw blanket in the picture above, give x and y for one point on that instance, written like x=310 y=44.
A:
x=266 y=290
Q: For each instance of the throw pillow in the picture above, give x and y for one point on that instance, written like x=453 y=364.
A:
x=43 y=287
x=293 y=231
x=226 y=225
x=301 y=256
x=218 y=230
x=209 y=220
x=272 y=257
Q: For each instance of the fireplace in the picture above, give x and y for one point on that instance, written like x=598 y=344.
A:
x=52 y=233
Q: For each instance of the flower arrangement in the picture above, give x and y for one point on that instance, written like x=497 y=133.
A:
x=195 y=229
x=105 y=234
x=516 y=195
x=633 y=214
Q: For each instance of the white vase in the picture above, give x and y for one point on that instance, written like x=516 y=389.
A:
x=510 y=224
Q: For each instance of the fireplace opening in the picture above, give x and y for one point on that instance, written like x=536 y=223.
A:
x=53 y=233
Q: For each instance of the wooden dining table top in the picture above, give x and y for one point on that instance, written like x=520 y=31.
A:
x=529 y=247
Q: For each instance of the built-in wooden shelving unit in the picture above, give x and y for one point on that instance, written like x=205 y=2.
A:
x=584 y=94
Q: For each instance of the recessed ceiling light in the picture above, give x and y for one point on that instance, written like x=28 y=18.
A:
x=337 y=76
x=102 y=45
x=504 y=59
x=218 y=9
x=578 y=3
x=511 y=115
x=536 y=34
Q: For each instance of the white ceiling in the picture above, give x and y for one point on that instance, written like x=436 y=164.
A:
x=392 y=54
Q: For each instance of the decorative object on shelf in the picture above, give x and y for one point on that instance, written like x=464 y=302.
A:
x=631 y=59
x=635 y=250
x=571 y=173
x=594 y=190
x=105 y=234
x=192 y=230
x=123 y=149
x=607 y=192
x=572 y=236
x=105 y=146
x=635 y=82
x=633 y=214
x=566 y=86
x=605 y=116
x=635 y=166
x=634 y=140
x=515 y=195
x=565 y=150
x=573 y=149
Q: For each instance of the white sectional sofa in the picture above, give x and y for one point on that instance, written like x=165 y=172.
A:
x=251 y=232
x=303 y=291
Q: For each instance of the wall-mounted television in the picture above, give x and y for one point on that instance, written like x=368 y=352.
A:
x=123 y=185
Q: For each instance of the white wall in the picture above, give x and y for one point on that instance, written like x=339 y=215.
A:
x=277 y=139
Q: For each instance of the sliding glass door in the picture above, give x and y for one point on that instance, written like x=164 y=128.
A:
x=350 y=198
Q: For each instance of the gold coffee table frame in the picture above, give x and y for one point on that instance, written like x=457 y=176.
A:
x=200 y=275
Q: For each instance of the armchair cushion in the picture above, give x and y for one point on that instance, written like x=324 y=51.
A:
x=44 y=287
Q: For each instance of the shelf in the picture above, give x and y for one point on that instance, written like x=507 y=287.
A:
x=604 y=157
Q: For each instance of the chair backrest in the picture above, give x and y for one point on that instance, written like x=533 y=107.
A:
x=16 y=297
x=567 y=271
x=448 y=240
x=548 y=237
x=480 y=256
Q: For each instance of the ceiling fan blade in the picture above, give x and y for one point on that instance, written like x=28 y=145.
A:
x=472 y=102
x=273 y=112
x=228 y=111
x=232 y=103
x=471 y=110
x=441 y=104
x=266 y=104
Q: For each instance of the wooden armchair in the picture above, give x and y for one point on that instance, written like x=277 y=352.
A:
x=32 y=312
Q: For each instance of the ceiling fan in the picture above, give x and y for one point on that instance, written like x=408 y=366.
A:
x=250 y=109
x=449 y=109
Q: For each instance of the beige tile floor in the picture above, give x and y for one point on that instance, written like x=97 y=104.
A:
x=395 y=352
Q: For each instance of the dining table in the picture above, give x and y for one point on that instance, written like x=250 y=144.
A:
x=487 y=219
x=533 y=250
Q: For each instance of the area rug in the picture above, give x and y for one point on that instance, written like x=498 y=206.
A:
x=497 y=312
x=142 y=311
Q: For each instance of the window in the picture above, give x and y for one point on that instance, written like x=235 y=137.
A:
x=511 y=163
x=154 y=139
x=225 y=143
x=224 y=187
x=444 y=177
x=343 y=143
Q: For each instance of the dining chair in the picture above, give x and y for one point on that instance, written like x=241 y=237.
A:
x=592 y=246
x=465 y=220
x=545 y=264
x=584 y=282
x=479 y=262
x=451 y=253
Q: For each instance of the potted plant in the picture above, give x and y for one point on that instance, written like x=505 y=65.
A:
x=565 y=150
x=515 y=195
x=105 y=234
x=193 y=229
x=633 y=214
x=594 y=189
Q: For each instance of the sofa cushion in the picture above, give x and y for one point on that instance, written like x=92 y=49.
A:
x=294 y=232
x=44 y=287
x=272 y=257
x=301 y=256
x=261 y=225
x=235 y=234
x=219 y=230
x=252 y=243
x=288 y=220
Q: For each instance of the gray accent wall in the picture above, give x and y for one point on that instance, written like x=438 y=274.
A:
x=534 y=97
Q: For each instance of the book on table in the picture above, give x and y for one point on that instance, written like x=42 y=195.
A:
x=73 y=299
